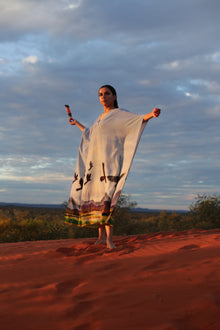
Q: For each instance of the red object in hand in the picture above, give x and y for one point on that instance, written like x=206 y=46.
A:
x=68 y=110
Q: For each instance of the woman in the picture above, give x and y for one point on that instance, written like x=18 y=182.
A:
x=105 y=155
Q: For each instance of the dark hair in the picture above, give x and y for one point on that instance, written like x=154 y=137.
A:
x=113 y=92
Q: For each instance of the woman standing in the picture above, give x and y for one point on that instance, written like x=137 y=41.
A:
x=105 y=155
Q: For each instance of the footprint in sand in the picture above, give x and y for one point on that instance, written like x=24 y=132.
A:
x=80 y=308
x=83 y=296
x=86 y=326
x=84 y=253
x=108 y=267
x=66 y=251
x=67 y=287
x=189 y=247
x=216 y=298
x=156 y=265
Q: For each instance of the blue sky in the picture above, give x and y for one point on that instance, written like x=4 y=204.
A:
x=155 y=53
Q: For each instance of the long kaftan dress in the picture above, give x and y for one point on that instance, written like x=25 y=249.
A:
x=105 y=155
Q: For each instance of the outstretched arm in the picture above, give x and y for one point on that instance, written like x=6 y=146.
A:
x=77 y=123
x=155 y=113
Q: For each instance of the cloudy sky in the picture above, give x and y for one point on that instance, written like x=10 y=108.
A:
x=156 y=53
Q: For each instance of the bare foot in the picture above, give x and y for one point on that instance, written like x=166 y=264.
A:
x=102 y=236
x=100 y=241
x=110 y=245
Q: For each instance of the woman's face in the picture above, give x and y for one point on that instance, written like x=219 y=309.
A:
x=107 y=98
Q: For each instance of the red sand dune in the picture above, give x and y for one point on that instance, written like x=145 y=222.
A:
x=162 y=281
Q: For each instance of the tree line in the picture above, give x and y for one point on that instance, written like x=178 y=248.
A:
x=31 y=223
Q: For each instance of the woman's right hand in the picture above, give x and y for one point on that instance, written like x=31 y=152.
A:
x=72 y=121
x=77 y=123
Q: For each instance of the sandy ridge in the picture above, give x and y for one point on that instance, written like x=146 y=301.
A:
x=155 y=281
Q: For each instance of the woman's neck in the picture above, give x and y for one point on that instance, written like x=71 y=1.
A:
x=107 y=109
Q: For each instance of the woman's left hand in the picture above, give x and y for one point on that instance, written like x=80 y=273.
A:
x=156 y=112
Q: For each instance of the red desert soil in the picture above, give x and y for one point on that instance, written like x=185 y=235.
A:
x=162 y=281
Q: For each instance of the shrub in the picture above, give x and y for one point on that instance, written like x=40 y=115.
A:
x=123 y=224
x=205 y=211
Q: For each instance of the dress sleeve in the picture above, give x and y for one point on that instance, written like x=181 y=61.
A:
x=133 y=127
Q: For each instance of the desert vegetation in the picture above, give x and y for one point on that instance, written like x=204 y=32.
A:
x=33 y=223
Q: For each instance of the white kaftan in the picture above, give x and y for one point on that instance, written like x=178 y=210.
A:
x=105 y=155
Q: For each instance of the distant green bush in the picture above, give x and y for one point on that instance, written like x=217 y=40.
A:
x=28 y=224
x=205 y=211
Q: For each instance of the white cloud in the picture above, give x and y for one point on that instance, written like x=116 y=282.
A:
x=192 y=96
x=2 y=60
x=215 y=57
x=211 y=86
x=31 y=59
x=71 y=4
x=170 y=66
